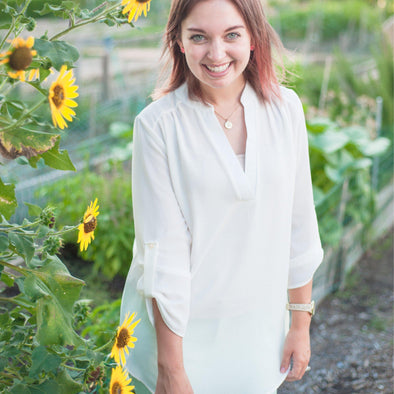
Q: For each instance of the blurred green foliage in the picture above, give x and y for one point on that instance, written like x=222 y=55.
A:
x=331 y=18
x=111 y=253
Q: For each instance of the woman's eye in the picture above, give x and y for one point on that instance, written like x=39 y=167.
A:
x=233 y=36
x=197 y=38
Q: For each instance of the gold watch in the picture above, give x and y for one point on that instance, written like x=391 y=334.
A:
x=310 y=308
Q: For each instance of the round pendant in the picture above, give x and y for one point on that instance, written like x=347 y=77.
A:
x=228 y=125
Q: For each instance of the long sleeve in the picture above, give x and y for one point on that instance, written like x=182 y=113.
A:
x=162 y=237
x=305 y=247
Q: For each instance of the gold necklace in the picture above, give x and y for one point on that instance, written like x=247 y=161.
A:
x=227 y=124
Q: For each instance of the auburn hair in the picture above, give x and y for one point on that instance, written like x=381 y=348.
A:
x=260 y=71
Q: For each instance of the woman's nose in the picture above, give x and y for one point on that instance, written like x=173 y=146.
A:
x=217 y=50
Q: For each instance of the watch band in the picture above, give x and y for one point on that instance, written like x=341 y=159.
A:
x=302 y=307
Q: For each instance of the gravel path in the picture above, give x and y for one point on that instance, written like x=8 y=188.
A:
x=352 y=332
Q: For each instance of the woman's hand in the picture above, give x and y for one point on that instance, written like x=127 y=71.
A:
x=297 y=347
x=173 y=382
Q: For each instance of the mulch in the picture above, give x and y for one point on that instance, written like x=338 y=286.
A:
x=352 y=332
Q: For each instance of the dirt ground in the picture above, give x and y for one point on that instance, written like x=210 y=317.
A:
x=352 y=332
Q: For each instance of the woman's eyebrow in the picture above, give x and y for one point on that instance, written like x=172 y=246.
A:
x=203 y=31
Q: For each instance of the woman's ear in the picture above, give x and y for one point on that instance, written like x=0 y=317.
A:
x=179 y=42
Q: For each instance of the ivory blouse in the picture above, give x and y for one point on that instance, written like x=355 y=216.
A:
x=218 y=246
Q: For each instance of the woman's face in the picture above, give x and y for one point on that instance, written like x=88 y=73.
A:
x=216 y=43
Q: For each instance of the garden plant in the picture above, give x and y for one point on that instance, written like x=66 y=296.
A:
x=42 y=348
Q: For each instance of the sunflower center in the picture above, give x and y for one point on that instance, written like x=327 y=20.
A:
x=116 y=388
x=90 y=224
x=142 y=1
x=20 y=59
x=58 y=96
x=123 y=338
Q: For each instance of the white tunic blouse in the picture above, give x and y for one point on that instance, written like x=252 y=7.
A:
x=217 y=245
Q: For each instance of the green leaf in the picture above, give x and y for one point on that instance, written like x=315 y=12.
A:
x=121 y=130
x=66 y=384
x=53 y=9
x=28 y=143
x=49 y=386
x=4 y=319
x=318 y=125
x=376 y=147
x=58 y=52
x=23 y=245
x=43 y=361
x=328 y=142
x=20 y=389
x=55 y=292
x=68 y=5
x=58 y=159
x=8 y=201
x=5 y=278
x=3 y=243
x=3 y=363
x=34 y=210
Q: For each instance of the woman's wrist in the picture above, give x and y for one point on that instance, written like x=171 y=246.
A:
x=300 y=320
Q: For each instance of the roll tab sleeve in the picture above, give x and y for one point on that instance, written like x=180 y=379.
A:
x=306 y=252
x=161 y=234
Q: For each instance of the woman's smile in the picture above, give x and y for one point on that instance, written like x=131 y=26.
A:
x=218 y=70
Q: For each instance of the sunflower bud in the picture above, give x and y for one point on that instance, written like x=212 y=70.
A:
x=52 y=245
x=47 y=217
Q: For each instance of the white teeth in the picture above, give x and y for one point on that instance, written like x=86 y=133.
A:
x=218 y=69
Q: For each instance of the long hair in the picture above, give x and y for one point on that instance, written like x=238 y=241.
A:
x=260 y=71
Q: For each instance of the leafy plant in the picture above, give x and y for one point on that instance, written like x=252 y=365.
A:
x=38 y=322
x=41 y=349
x=341 y=159
x=113 y=253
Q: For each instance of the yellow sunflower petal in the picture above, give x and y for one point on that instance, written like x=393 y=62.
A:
x=30 y=42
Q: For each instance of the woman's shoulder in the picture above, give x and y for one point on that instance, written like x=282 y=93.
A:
x=292 y=103
x=161 y=107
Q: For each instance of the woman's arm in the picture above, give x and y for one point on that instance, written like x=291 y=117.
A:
x=172 y=378
x=297 y=344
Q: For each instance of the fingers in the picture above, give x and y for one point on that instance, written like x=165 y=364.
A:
x=285 y=365
x=300 y=365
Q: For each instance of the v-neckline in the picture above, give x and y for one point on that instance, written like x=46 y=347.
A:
x=244 y=181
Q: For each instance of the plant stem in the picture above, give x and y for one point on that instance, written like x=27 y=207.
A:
x=86 y=22
x=73 y=368
x=13 y=226
x=99 y=349
x=23 y=271
x=25 y=7
x=8 y=33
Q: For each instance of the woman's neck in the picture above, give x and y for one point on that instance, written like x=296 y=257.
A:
x=226 y=96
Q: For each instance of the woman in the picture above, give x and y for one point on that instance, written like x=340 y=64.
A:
x=226 y=231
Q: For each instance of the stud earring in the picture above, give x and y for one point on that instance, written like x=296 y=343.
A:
x=252 y=47
x=182 y=49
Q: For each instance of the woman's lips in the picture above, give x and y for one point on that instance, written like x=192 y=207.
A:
x=217 y=70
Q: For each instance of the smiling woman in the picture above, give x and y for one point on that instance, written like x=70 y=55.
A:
x=225 y=226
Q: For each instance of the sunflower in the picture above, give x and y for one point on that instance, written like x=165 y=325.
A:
x=124 y=338
x=135 y=8
x=120 y=381
x=19 y=58
x=88 y=225
x=60 y=94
